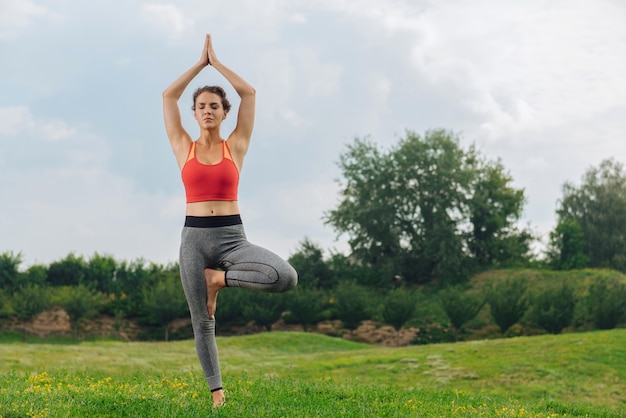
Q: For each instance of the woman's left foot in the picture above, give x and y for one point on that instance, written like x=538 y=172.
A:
x=218 y=399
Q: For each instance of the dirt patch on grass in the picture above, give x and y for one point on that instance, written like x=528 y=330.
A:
x=368 y=332
x=56 y=322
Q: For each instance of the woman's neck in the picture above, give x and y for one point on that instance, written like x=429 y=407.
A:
x=210 y=136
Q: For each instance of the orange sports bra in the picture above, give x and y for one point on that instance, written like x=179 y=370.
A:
x=210 y=182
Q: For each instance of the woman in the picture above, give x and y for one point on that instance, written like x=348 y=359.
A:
x=214 y=252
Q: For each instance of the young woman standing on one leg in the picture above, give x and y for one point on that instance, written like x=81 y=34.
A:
x=214 y=251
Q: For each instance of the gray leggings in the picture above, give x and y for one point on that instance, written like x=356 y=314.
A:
x=246 y=265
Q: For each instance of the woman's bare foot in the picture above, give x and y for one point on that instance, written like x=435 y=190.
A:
x=218 y=398
x=214 y=282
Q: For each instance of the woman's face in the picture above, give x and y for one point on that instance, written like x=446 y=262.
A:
x=209 y=111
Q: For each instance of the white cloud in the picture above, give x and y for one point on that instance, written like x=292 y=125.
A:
x=378 y=94
x=260 y=21
x=291 y=116
x=80 y=206
x=528 y=65
x=277 y=75
x=17 y=119
x=305 y=203
x=14 y=119
x=520 y=66
x=107 y=214
x=57 y=129
x=284 y=74
x=322 y=79
x=167 y=17
x=391 y=15
x=16 y=15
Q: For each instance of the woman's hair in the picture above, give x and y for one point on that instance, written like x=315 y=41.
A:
x=212 y=89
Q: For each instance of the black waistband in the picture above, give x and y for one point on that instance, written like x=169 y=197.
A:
x=212 y=221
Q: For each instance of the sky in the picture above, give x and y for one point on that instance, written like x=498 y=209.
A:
x=86 y=167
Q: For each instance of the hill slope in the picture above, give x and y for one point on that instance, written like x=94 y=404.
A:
x=582 y=368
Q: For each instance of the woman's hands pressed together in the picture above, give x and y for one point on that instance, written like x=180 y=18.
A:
x=208 y=56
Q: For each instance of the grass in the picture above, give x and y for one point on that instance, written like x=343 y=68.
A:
x=309 y=375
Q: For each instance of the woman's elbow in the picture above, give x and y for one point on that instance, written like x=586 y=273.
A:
x=249 y=91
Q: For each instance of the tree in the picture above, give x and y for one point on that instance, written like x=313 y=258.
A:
x=131 y=278
x=398 y=308
x=36 y=275
x=9 y=271
x=305 y=306
x=100 y=273
x=69 y=271
x=553 y=308
x=352 y=304
x=598 y=205
x=411 y=210
x=460 y=306
x=348 y=268
x=368 y=195
x=79 y=302
x=495 y=207
x=508 y=302
x=165 y=302
x=567 y=246
x=313 y=272
x=28 y=302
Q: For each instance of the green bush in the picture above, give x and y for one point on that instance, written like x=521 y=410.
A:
x=399 y=307
x=553 y=308
x=460 y=306
x=305 y=307
x=264 y=308
x=352 y=304
x=606 y=303
x=165 y=302
x=230 y=303
x=508 y=302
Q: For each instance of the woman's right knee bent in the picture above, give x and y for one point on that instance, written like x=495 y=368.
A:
x=288 y=278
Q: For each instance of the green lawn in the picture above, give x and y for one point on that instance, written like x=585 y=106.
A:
x=294 y=374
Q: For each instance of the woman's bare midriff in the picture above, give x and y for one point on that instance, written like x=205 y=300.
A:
x=212 y=208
